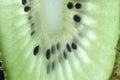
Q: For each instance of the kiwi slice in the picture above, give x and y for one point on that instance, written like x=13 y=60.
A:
x=59 y=39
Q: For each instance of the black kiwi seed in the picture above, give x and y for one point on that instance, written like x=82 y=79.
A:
x=53 y=49
x=48 y=68
x=74 y=46
x=2 y=76
x=76 y=18
x=68 y=47
x=64 y=54
x=32 y=24
x=36 y=50
x=0 y=63
x=58 y=46
x=32 y=33
x=30 y=17
x=53 y=65
x=27 y=8
x=70 y=5
x=77 y=5
x=24 y=2
x=48 y=54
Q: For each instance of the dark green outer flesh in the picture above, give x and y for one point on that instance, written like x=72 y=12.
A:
x=116 y=71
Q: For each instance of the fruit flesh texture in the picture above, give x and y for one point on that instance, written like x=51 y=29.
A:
x=96 y=62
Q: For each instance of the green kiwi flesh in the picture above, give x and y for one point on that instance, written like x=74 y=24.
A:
x=68 y=43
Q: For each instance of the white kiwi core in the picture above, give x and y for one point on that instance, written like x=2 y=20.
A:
x=53 y=11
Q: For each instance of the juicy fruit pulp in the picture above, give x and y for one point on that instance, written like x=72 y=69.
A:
x=58 y=39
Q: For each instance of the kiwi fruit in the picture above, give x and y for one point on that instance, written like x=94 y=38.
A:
x=59 y=39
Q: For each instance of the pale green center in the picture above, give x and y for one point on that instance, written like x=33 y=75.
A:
x=50 y=14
